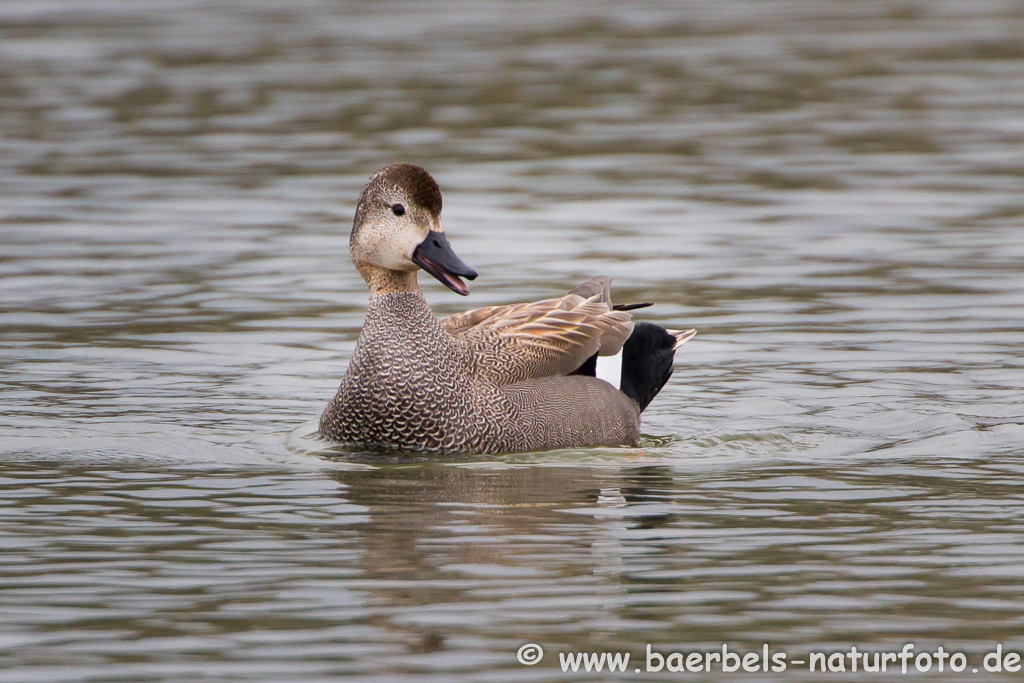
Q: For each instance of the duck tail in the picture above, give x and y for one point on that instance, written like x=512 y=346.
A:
x=647 y=358
x=682 y=336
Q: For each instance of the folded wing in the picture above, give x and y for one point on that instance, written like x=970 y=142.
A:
x=544 y=338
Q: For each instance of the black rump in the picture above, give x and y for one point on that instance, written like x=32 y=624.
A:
x=647 y=358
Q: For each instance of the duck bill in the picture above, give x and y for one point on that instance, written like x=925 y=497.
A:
x=436 y=256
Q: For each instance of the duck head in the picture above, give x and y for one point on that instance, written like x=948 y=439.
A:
x=397 y=230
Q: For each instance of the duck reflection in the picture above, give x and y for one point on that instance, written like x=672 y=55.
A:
x=457 y=542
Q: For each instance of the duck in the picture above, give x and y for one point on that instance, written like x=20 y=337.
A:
x=567 y=372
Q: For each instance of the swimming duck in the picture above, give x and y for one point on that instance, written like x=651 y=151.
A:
x=564 y=372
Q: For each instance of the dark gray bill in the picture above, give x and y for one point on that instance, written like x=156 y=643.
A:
x=436 y=256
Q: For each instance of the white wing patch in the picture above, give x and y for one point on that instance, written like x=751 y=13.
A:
x=609 y=368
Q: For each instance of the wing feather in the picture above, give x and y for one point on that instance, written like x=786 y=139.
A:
x=543 y=338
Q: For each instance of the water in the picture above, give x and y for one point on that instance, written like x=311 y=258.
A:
x=829 y=191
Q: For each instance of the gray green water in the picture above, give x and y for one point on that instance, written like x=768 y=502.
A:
x=831 y=192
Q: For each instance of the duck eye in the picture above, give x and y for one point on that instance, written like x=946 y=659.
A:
x=397 y=209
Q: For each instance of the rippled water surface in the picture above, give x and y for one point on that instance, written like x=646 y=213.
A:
x=831 y=192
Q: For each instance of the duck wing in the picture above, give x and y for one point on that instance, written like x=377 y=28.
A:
x=544 y=338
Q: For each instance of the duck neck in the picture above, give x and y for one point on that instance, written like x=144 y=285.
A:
x=385 y=281
x=395 y=322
